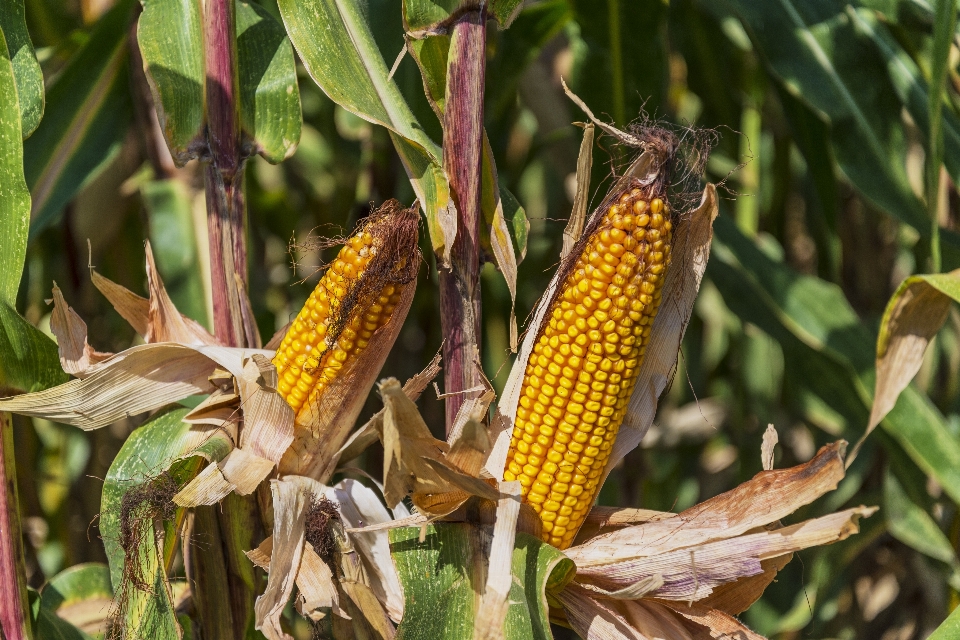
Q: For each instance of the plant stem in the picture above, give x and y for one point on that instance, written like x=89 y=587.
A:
x=14 y=605
x=223 y=174
x=462 y=147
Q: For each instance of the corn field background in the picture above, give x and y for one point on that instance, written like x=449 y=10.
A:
x=829 y=186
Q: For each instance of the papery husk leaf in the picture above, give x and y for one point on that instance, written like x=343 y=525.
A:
x=691 y=250
x=314 y=580
x=770 y=439
x=595 y=619
x=268 y=420
x=140 y=379
x=218 y=408
x=370 y=432
x=494 y=605
x=602 y=520
x=578 y=214
x=239 y=471
x=359 y=506
x=353 y=580
x=692 y=573
x=713 y=623
x=414 y=462
x=164 y=322
x=131 y=307
x=326 y=424
x=767 y=497
x=652 y=619
x=76 y=356
x=291 y=502
x=471 y=448
x=736 y=597
x=914 y=315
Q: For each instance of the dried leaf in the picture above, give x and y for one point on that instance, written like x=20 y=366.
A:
x=360 y=506
x=653 y=619
x=267 y=418
x=767 y=497
x=578 y=215
x=413 y=459
x=594 y=619
x=239 y=471
x=692 y=573
x=164 y=322
x=370 y=432
x=490 y=616
x=736 y=597
x=131 y=307
x=719 y=625
x=915 y=313
x=766 y=449
x=140 y=379
x=291 y=499
x=324 y=426
x=76 y=356
x=470 y=450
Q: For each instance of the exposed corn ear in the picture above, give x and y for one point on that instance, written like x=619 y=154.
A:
x=584 y=363
x=351 y=319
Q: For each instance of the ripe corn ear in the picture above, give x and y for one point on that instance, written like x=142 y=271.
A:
x=584 y=363
x=354 y=298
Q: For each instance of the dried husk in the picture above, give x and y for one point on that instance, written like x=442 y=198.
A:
x=76 y=356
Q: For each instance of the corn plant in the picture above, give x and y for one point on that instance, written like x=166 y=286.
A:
x=233 y=510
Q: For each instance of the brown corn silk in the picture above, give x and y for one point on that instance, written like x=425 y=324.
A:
x=354 y=303
x=581 y=372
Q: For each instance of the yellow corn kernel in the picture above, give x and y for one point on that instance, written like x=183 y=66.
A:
x=339 y=318
x=602 y=314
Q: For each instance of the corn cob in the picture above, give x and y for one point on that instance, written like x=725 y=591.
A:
x=585 y=362
x=354 y=298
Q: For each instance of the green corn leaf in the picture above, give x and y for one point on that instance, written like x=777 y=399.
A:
x=15 y=204
x=913 y=526
x=419 y=15
x=439 y=582
x=949 y=629
x=87 y=115
x=164 y=444
x=816 y=51
x=269 y=95
x=26 y=69
x=828 y=350
x=338 y=50
x=170 y=36
x=83 y=591
x=28 y=359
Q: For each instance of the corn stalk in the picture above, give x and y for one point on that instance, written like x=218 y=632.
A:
x=462 y=148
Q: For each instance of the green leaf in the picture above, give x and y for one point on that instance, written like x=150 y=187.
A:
x=84 y=588
x=910 y=86
x=424 y=14
x=87 y=114
x=813 y=48
x=15 y=203
x=827 y=349
x=338 y=50
x=29 y=360
x=949 y=629
x=439 y=582
x=269 y=95
x=26 y=69
x=912 y=525
x=170 y=213
x=165 y=443
x=170 y=36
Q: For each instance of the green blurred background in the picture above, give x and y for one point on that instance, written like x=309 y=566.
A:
x=820 y=109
